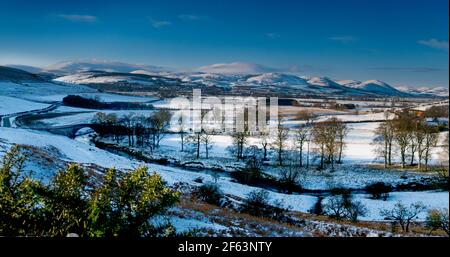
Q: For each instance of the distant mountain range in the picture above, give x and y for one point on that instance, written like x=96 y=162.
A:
x=234 y=78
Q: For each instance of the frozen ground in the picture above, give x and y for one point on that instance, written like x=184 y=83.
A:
x=10 y=105
x=76 y=151
x=45 y=92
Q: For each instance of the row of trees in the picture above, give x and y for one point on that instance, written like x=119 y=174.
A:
x=327 y=138
x=148 y=131
x=118 y=204
x=139 y=130
x=407 y=136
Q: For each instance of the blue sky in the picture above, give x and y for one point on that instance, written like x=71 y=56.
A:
x=400 y=42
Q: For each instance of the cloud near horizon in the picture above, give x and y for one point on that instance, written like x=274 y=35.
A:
x=189 y=17
x=435 y=43
x=78 y=18
x=272 y=35
x=159 y=23
x=344 y=39
x=236 y=68
x=411 y=69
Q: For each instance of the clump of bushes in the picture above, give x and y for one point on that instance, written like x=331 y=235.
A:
x=258 y=204
x=402 y=214
x=317 y=209
x=209 y=193
x=343 y=206
x=95 y=103
x=438 y=220
x=340 y=191
x=198 y=180
x=379 y=190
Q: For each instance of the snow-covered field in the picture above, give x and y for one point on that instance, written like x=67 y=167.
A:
x=77 y=151
x=45 y=92
x=10 y=105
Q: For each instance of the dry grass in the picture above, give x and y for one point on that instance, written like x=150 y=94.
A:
x=240 y=224
x=243 y=224
x=416 y=229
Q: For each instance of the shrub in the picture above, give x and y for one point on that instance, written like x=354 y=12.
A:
x=18 y=198
x=379 y=190
x=335 y=207
x=317 y=209
x=340 y=191
x=209 y=193
x=438 y=219
x=198 y=180
x=246 y=176
x=257 y=203
x=344 y=207
x=354 y=209
x=403 y=214
x=289 y=178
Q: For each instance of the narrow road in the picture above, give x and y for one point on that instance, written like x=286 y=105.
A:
x=5 y=120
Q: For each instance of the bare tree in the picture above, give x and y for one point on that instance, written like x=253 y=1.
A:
x=301 y=134
x=239 y=142
x=182 y=131
x=194 y=141
x=140 y=129
x=416 y=136
x=310 y=123
x=308 y=119
x=402 y=214
x=319 y=138
x=445 y=152
x=254 y=159
x=160 y=121
x=402 y=134
x=264 y=140
x=127 y=122
x=419 y=137
x=342 y=132
x=431 y=137
x=206 y=139
x=331 y=144
x=279 y=142
x=290 y=175
x=383 y=141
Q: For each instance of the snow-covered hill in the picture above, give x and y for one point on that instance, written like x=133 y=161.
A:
x=18 y=75
x=272 y=81
x=379 y=88
x=69 y=67
x=437 y=91
x=81 y=73
x=101 y=77
x=212 y=79
x=235 y=68
x=348 y=82
x=278 y=79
